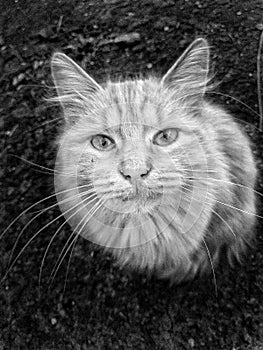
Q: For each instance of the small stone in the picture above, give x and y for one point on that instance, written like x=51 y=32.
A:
x=36 y=64
x=166 y=28
x=43 y=33
x=259 y=26
x=82 y=39
x=128 y=38
x=191 y=342
x=18 y=79
x=53 y=321
x=239 y=13
x=149 y=65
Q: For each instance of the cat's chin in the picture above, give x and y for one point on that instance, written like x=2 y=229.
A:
x=134 y=204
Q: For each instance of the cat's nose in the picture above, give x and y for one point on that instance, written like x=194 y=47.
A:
x=134 y=170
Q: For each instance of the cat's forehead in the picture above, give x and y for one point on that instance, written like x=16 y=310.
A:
x=133 y=105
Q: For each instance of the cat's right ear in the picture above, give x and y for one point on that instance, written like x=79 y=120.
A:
x=74 y=86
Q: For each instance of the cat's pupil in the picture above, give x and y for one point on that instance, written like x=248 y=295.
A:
x=104 y=142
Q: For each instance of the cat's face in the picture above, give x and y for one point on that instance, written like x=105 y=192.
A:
x=141 y=160
x=132 y=146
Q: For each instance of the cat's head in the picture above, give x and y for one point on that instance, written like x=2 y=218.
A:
x=132 y=145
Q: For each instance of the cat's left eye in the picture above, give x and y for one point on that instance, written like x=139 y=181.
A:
x=102 y=142
x=165 y=137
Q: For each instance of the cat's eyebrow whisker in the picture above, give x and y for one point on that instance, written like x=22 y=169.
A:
x=30 y=240
x=57 y=231
x=43 y=124
x=49 y=170
x=37 y=127
x=65 y=250
x=237 y=100
x=212 y=267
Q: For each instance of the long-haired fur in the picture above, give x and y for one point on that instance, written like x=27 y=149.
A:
x=197 y=201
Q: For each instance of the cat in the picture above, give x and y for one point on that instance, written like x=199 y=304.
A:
x=151 y=170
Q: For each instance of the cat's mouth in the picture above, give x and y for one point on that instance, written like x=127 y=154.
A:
x=137 y=202
x=139 y=197
x=141 y=194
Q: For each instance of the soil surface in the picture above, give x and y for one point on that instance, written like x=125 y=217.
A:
x=90 y=303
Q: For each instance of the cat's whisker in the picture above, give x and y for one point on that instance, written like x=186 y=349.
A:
x=62 y=256
x=60 y=227
x=35 y=204
x=33 y=219
x=71 y=235
x=36 y=127
x=189 y=170
x=113 y=195
x=225 y=222
x=29 y=241
x=238 y=209
x=212 y=266
x=27 y=210
x=65 y=250
x=225 y=181
x=41 y=125
x=237 y=100
x=233 y=207
x=68 y=265
x=49 y=170
x=202 y=202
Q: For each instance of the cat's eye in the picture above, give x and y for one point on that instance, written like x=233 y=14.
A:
x=165 y=137
x=102 y=142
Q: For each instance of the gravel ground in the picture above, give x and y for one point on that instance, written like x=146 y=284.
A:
x=93 y=304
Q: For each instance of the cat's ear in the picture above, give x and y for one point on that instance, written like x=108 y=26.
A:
x=189 y=74
x=68 y=76
x=74 y=86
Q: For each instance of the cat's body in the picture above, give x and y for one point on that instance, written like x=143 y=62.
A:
x=153 y=172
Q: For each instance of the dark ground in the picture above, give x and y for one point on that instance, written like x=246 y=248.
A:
x=103 y=307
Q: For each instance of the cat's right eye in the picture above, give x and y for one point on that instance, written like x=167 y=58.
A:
x=165 y=137
x=102 y=142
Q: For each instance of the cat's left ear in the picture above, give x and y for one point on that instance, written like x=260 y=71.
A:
x=189 y=74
